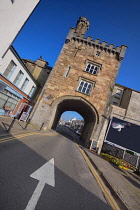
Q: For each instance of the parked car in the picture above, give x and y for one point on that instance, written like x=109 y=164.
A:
x=78 y=133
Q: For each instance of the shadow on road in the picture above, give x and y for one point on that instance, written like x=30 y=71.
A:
x=71 y=135
x=17 y=127
x=19 y=161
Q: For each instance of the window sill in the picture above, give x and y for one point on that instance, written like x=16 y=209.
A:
x=83 y=93
x=118 y=97
x=91 y=73
x=116 y=105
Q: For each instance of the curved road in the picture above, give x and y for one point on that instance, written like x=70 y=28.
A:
x=75 y=188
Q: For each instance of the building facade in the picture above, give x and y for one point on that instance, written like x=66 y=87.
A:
x=40 y=72
x=126 y=102
x=125 y=105
x=13 y=16
x=76 y=124
x=121 y=130
x=17 y=85
x=81 y=80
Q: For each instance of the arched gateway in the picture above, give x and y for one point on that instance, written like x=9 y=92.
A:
x=80 y=105
x=81 y=80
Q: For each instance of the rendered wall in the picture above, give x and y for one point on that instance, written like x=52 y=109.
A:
x=12 y=17
x=6 y=60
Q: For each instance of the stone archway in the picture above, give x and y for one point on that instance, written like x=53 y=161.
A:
x=80 y=105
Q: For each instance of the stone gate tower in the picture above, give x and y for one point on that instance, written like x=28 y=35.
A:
x=82 y=80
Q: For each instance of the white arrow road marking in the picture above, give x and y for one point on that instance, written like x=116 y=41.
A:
x=45 y=175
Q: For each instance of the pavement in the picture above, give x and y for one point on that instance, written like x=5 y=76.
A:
x=18 y=127
x=123 y=185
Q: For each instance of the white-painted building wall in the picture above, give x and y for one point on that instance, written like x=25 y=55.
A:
x=13 y=15
x=11 y=56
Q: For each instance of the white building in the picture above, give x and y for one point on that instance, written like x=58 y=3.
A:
x=17 y=85
x=13 y=15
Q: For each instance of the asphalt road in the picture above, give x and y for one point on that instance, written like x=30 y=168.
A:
x=75 y=188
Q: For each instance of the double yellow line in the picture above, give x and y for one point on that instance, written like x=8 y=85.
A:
x=100 y=182
x=24 y=135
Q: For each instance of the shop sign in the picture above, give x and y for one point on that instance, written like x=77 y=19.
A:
x=24 y=116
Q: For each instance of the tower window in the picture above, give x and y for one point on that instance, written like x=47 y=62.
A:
x=67 y=71
x=92 y=69
x=98 y=53
x=85 y=87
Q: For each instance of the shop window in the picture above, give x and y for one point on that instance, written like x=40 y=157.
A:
x=7 y=103
x=3 y=99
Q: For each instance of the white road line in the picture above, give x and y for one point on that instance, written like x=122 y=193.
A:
x=45 y=175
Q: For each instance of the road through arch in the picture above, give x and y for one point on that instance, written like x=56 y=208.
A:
x=79 y=105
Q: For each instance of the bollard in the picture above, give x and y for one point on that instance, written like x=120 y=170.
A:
x=27 y=124
x=41 y=126
x=12 y=123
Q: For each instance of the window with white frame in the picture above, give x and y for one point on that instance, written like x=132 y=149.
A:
x=32 y=91
x=85 y=86
x=118 y=93
x=117 y=97
x=10 y=69
x=25 y=83
x=92 y=68
x=18 y=78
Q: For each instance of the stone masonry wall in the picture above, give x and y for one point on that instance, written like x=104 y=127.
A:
x=75 y=54
x=133 y=110
x=58 y=85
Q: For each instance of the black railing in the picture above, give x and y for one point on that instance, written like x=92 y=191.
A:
x=122 y=154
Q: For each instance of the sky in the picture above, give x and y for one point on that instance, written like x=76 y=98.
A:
x=68 y=115
x=117 y=22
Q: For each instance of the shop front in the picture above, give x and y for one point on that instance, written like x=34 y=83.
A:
x=12 y=103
